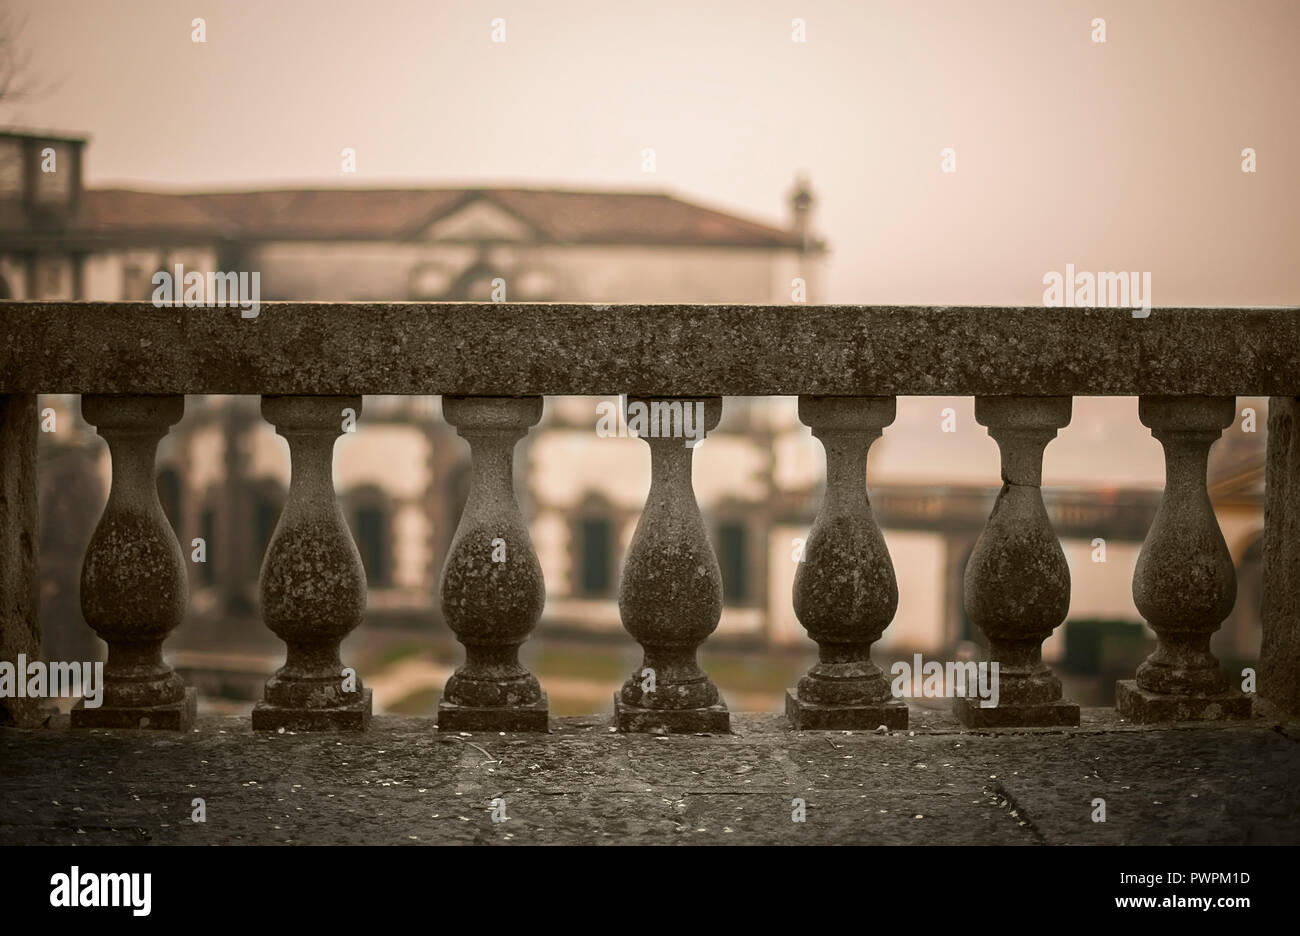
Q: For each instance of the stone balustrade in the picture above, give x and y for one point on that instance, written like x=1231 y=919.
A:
x=493 y=365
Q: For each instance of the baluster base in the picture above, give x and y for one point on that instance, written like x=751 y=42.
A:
x=528 y=716
x=174 y=716
x=352 y=717
x=1058 y=714
x=1143 y=707
x=711 y=719
x=809 y=716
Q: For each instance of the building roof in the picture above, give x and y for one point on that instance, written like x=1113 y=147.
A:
x=570 y=217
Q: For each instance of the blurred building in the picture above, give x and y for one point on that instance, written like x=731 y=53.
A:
x=403 y=476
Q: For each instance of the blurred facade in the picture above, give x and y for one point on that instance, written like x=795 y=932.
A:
x=403 y=476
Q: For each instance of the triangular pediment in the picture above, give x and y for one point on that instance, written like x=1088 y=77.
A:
x=479 y=220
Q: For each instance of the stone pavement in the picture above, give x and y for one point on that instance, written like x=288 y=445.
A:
x=404 y=783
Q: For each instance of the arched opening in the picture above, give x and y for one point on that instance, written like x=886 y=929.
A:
x=733 y=561
x=370 y=513
x=475 y=284
x=457 y=493
x=967 y=632
x=267 y=499
x=208 y=530
x=169 y=495
x=1237 y=642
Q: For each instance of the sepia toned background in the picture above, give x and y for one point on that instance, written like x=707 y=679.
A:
x=772 y=160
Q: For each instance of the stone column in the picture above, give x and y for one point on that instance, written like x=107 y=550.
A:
x=1184 y=583
x=133 y=582
x=670 y=595
x=492 y=588
x=20 y=629
x=845 y=592
x=1017 y=585
x=1279 y=656
x=313 y=588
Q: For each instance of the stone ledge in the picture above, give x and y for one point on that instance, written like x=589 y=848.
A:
x=438 y=348
x=403 y=783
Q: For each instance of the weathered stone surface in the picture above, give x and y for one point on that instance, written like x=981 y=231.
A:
x=401 y=783
x=1279 y=664
x=20 y=629
x=171 y=716
x=845 y=593
x=313 y=586
x=492 y=587
x=1012 y=715
x=521 y=716
x=809 y=716
x=346 y=716
x=1146 y=707
x=670 y=594
x=133 y=587
x=1017 y=586
x=352 y=348
x=1185 y=583
x=712 y=719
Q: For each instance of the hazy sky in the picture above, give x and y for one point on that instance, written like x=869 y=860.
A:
x=1117 y=156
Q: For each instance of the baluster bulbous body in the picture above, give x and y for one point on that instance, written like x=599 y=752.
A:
x=133 y=586
x=1017 y=585
x=313 y=586
x=845 y=590
x=670 y=593
x=492 y=588
x=1185 y=583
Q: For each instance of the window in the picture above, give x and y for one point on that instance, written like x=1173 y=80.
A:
x=475 y=284
x=53 y=277
x=265 y=516
x=733 y=550
x=208 y=530
x=11 y=169
x=595 y=540
x=430 y=281
x=534 y=284
x=137 y=282
x=169 y=495
x=372 y=543
x=54 y=171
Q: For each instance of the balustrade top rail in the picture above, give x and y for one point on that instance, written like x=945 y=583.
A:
x=551 y=348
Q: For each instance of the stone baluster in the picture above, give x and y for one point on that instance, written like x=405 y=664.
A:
x=670 y=595
x=1017 y=587
x=1279 y=652
x=313 y=587
x=133 y=589
x=1184 y=583
x=492 y=587
x=845 y=592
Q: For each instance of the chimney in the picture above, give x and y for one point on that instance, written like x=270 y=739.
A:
x=801 y=203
